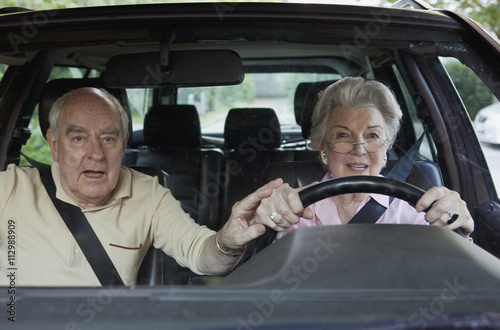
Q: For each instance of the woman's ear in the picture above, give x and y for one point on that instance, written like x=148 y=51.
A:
x=324 y=159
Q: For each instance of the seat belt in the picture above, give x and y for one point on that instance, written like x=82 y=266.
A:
x=372 y=210
x=83 y=233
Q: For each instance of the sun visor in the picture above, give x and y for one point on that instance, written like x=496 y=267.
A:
x=182 y=69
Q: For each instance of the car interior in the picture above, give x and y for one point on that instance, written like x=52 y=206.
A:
x=220 y=98
x=208 y=175
x=202 y=177
x=209 y=171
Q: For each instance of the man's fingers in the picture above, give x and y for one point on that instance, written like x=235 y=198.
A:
x=253 y=232
x=244 y=235
x=253 y=200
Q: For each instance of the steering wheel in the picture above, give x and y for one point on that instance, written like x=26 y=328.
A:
x=350 y=185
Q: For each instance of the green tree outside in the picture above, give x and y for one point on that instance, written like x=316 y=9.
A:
x=475 y=95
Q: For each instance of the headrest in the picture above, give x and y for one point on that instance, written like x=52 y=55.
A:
x=56 y=88
x=310 y=101
x=299 y=98
x=243 y=125
x=172 y=126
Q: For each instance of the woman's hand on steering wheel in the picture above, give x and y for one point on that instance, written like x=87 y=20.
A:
x=282 y=209
x=445 y=208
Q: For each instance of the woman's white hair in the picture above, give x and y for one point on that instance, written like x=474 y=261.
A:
x=352 y=93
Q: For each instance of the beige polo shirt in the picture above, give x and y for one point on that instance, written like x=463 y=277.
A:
x=37 y=247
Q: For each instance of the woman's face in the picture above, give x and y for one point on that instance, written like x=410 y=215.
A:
x=358 y=126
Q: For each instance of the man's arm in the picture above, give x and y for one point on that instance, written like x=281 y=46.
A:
x=215 y=261
x=222 y=251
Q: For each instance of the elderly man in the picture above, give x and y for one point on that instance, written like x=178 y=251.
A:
x=127 y=210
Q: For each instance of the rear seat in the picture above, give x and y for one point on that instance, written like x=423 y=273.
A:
x=252 y=141
x=172 y=135
x=299 y=99
x=250 y=135
x=308 y=104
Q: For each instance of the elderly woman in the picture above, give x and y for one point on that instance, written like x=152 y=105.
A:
x=354 y=124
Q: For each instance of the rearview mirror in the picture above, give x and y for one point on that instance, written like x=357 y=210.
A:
x=185 y=69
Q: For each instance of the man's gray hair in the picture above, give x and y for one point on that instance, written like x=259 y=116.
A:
x=55 y=111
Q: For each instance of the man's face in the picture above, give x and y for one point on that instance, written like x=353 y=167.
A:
x=89 y=148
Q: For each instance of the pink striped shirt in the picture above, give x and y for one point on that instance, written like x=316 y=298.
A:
x=325 y=212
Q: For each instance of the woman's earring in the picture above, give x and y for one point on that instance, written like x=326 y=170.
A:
x=323 y=158
x=385 y=158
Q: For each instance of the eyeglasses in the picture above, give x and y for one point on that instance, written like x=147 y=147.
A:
x=345 y=147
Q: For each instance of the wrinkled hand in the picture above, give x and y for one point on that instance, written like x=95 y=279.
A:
x=282 y=209
x=443 y=203
x=242 y=227
x=250 y=216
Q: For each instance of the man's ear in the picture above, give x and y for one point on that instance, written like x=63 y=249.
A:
x=125 y=142
x=52 y=144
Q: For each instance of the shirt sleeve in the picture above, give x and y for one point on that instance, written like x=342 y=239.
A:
x=7 y=180
x=176 y=233
x=15 y=177
x=400 y=212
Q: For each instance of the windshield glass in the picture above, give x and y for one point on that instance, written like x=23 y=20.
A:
x=258 y=90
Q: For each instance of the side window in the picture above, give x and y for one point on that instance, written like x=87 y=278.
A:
x=3 y=68
x=427 y=149
x=483 y=108
x=36 y=147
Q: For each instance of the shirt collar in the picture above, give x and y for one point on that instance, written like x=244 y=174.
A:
x=122 y=190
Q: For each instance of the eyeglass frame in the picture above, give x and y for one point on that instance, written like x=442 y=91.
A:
x=354 y=144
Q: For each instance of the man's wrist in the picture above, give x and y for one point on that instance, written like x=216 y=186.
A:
x=229 y=253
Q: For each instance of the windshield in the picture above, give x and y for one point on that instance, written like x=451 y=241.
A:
x=258 y=90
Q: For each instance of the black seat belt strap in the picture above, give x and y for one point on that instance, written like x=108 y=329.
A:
x=79 y=226
x=372 y=210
